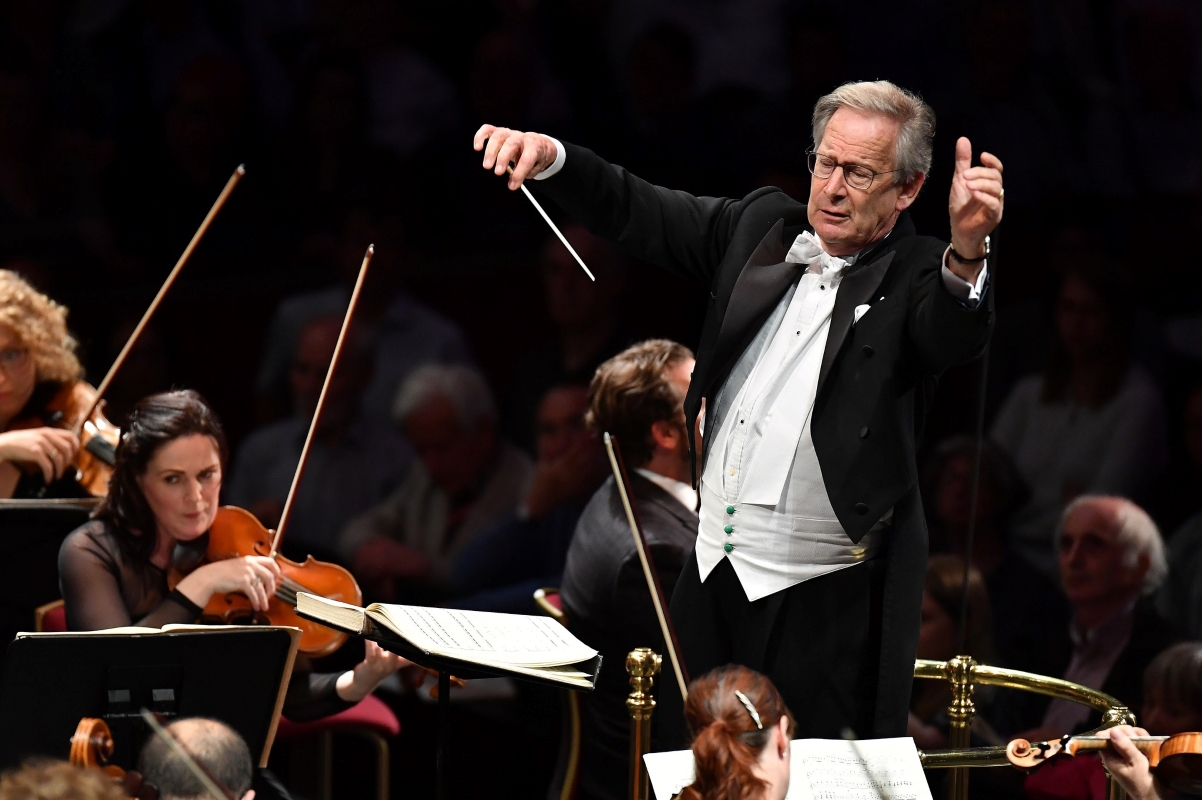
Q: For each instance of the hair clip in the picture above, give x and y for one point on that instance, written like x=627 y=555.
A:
x=755 y=715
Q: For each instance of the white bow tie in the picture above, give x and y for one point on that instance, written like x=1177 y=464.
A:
x=808 y=250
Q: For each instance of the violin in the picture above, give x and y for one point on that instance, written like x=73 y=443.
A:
x=1176 y=761
x=76 y=407
x=237 y=533
x=92 y=746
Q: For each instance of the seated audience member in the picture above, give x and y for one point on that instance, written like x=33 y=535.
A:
x=405 y=333
x=500 y=570
x=1093 y=423
x=1011 y=581
x=1180 y=599
x=1172 y=704
x=741 y=732
x=1111 y=560
x=637 y=396
x=353 y=462
x=58 y=780
x=465 y=478
x=582 y=312
x=938 y=639
x=213 y=746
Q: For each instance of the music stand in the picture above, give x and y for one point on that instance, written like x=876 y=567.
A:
x=238 y=675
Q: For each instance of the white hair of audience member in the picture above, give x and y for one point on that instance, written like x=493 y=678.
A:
x=1138 y=534
x=464 y=386
x=916 y=121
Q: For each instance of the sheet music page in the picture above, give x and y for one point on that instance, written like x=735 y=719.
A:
x=502 y=638
x=868 y=769
x=820 y=769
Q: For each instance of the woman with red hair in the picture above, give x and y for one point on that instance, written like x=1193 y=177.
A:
x=741 y=731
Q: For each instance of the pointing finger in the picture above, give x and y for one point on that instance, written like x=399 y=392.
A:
x=963 y=154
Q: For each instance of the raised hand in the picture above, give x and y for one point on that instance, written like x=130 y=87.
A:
x=50 y=449
x=530 y=153
x=975 y=204
x=377 y=664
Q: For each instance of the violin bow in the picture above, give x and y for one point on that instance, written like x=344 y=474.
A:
x=321 y=401
x=206 y=778
x=622 y=481
x=158 y=298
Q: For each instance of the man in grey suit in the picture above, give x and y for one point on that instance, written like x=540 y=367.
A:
x=638 y=397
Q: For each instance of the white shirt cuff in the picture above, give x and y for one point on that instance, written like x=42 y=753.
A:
x=961 y=289
x=561 y=155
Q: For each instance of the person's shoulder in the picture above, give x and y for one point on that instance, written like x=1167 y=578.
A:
x=94 y=539
x=1139 y=387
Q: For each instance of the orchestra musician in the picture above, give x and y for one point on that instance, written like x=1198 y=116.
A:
x=37 y=358
x=827 y=325
x=113 y=571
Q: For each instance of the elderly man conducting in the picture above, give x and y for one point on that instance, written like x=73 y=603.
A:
x=826 y=326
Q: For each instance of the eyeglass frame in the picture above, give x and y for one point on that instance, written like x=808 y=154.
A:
x=812 y=162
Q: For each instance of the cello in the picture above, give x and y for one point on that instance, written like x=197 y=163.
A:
x=78 y=406
x=236 y=533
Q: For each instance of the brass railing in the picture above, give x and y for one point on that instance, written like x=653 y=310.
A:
x=962 y=672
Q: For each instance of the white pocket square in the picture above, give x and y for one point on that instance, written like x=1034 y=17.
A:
x=859 y=312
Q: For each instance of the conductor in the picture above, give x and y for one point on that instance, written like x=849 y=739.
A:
x=827 y=325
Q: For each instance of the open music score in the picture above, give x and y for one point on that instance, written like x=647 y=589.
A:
x=821 y=769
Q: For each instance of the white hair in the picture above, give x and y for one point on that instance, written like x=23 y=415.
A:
x=1138 y=535
x=916 y=121
x=464 y=386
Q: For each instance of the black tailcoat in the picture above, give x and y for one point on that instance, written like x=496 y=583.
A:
x=876 y=379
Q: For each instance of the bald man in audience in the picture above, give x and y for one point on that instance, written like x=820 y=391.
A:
x=1111 y=561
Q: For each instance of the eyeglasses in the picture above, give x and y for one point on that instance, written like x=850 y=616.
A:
x=13 y=358
x=857 y=176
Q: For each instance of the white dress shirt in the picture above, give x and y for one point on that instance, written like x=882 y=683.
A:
x=764 y=504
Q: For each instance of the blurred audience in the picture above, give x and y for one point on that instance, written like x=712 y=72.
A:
x=1092 y=423
x=1111 y=561
x=939 y=639
x=1179 y=495
x=354 y=462
x=58 y=780
x=500 y=570
x=638 y=397
x=584 y=314
x=1180 y=599
x=466 y=477
x=1010 y=580
x=405 y=333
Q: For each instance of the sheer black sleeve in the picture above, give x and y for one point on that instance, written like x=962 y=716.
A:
x=313 y=695
x=101 y=590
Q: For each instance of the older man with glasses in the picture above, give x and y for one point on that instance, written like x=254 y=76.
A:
x=827 y=325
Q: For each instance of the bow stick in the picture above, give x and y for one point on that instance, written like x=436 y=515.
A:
x=321 y=401
x=653 y=585
x=158 y=298
x=554 y=227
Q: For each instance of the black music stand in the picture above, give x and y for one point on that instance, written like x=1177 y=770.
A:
x=234 y=674
x=446 y=667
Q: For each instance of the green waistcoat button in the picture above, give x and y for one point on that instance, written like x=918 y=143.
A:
x=730 y=509
x=729 y=529
x=728 y=547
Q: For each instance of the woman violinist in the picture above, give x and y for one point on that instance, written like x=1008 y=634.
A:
x=37 y=362
x=164 y=493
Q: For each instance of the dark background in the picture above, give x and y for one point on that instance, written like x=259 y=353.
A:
x=120 y=121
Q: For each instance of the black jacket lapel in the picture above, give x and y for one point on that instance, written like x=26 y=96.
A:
x=855 y=289
x=759 y=287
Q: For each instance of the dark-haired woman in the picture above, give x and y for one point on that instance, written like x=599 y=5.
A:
x=741 y=731
x=164 y=493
